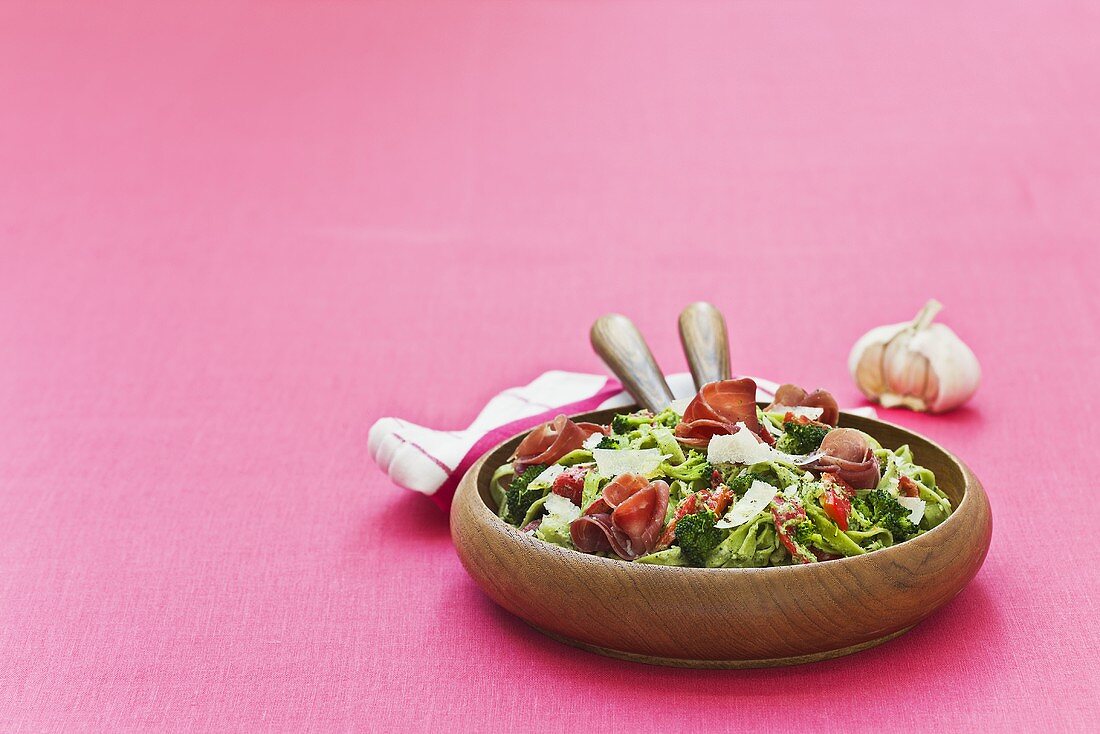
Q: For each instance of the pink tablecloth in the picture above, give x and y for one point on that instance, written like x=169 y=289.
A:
x=232 y=235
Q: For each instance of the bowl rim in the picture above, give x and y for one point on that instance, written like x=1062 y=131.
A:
x=968 y=503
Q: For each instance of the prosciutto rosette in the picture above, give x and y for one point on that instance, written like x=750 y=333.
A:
x=846 y=453
x=792 y=396
x=717 y=410
x=551 y=441
x=619 y=490
x=629 y=519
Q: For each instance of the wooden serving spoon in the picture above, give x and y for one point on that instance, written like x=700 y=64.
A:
x=624 y=350
x=706 y=343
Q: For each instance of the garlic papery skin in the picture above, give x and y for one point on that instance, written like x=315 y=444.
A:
x=918 y=364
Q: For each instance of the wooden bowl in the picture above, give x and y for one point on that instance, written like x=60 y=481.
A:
x=726 y=617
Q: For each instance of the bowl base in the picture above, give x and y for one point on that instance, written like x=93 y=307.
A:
x=724 y=664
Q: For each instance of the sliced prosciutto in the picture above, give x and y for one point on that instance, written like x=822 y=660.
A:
x=551 y=441
x=638 y=521
x=846 y=453
x=633 y=525
x=617 y=492
x=623 y=488
x=592 y=533
x=593 y=428
x=717 y=410
x=792 y=396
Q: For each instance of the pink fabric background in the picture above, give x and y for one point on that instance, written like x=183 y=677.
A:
x=232 y=235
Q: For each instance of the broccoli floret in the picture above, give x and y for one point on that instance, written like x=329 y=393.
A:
x=607 y=442
x=740 y=479
x=741 y=483
x=861 y=507
x=697 y=536
x=801 y=536
x=801 y=438
x=694 y=467
x=859 y=519
x=519 y=497
x=882 y=509
x=806 y=533
x=668 y=418
x=624 y=423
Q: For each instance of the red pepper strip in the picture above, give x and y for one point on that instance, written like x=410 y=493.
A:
x=908 y=487
x=718 y=500
x=837 y=500
x=789 y=513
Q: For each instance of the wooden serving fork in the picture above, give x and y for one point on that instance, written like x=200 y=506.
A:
x=624 y=350
x=706 y=343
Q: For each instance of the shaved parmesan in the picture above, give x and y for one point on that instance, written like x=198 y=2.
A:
x=741 y=447
x=755 y=500
x=613 y=462
x=548 y=475
x=915 y=505
x=562 y=508
x=680 y=405
x=593 y=441
x=800 y=411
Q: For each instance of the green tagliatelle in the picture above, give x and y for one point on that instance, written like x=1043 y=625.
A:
x=501 y=477
x=795 y=513
x=900 y=463
x=751 y=545
x=593 y=484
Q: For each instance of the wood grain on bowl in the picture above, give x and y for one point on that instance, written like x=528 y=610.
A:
x=725 y=617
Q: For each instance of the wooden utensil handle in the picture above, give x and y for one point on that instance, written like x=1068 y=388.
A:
x=621 y=346
x=706 y=343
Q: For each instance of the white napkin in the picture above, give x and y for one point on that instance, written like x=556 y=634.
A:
x=433 y=461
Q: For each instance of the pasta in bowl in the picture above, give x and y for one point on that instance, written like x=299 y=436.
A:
x=725 y=484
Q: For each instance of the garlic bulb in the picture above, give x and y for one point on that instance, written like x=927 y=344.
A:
x=916 y=364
